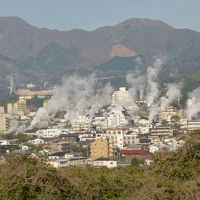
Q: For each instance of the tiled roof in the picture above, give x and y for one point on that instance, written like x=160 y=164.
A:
x=133 y=151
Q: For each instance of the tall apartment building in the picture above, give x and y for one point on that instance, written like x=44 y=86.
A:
x=101 y=148
x=4 y=123
x=22 y=107
x=10 y=108
x=19 y=108
x=2 y=110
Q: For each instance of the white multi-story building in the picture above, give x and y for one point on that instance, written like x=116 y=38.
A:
x=116 y=135
x=119 y=137
x=193 y=125
x=116 y=117
x=83 y=123
x=49 y=133
x=145 y=128
x=122 y=97
x=131 y=138
x=100 y=122
x=167 y=114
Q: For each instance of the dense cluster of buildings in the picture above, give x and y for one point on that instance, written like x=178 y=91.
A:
x=112 y=137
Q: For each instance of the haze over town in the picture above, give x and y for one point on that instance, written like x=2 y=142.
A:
x=99 y=92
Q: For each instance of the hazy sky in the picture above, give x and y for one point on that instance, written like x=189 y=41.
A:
x=90 y=14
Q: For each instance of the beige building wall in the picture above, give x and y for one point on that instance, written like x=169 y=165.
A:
x=22 y=107
x=9 y=108
x=3 y=123
x=45 y=105
x=2 y=110
x=101 y=149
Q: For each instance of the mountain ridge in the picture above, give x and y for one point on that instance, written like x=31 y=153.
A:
x=23 y=42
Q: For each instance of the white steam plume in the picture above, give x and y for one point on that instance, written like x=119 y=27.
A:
x=152 y=85
x=173 y=93
x=11 y=84
x=77 y=96
x=195 y=93
x=137 y=83
x=194 y=108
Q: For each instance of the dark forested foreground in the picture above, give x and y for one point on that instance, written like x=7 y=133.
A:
x=174 y=176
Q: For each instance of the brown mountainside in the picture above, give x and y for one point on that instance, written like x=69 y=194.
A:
x=29 y=45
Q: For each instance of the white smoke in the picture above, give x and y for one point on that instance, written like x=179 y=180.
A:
x=41 y=115
x=77 y=96
x=45 y=84
x=195 y=93
x=152 y=85
x=136 y=82
x=11 y=80
x=153 y=111
x=15 y=128
x=194 y=108
x=173 y=93
x=147 y=85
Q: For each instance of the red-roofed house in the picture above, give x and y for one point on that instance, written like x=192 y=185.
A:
x=135 y=153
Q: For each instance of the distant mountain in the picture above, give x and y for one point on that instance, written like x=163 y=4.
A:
x=43 y=53
x=122 y=64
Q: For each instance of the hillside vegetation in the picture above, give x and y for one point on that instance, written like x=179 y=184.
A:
x=174 y=176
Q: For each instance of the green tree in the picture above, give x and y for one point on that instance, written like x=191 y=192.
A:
x=136 y=162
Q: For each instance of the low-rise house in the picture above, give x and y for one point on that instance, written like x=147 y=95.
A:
x=4 y=142
x=40 y=141
x=130 y=153
x=153 y=149
x=66 y=162
x=37 y=141
x=144 y=141
x=104 y=162
x=59 y=146
x=25 y=147
x=69 y=138
x=57 y=155
x=20 y=152
x=37 y=156
x=49 y=133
